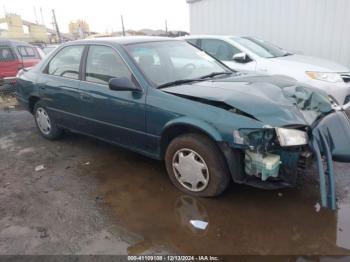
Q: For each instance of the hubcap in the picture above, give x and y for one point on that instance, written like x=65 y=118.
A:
x=190 y=170
x=43 y=120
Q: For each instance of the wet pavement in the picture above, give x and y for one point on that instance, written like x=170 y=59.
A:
x=143 y=213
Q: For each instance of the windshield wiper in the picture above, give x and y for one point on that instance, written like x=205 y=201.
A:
x=178 y=82
x=185 y=81
x=215 y=74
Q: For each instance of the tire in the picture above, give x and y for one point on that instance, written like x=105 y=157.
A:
x=196 y=158
x=52 y=131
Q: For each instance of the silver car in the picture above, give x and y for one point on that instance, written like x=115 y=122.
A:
x=249 y=54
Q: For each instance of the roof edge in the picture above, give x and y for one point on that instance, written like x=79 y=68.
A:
x=192 y=1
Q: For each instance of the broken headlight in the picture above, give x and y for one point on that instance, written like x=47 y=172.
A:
x=291 y=137
x=262 y=139
x=254 y=138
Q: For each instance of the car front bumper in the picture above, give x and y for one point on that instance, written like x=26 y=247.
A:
x=329 y=140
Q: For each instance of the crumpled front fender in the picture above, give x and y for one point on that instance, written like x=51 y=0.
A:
x=330 y=140
x=335 y=130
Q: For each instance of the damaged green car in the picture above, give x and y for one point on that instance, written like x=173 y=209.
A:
x=170 y=101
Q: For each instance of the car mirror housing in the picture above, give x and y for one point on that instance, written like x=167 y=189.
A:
x=240 y=57
x=122 y=84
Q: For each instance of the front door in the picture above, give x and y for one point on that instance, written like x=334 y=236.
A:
x=116 y=116
x=224 y=52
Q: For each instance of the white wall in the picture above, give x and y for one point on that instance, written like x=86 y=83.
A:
x=312 y=27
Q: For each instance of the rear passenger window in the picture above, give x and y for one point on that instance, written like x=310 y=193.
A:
x=6 y=54
x=103 y=63
x=66 y=62
x=27 y=52
x=22 y=51
x=30 y=52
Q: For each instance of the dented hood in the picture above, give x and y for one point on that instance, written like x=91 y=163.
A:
x=276 y=101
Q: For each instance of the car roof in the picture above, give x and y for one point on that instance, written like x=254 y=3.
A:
x=123 y=40
x=13 y=42
x=207 y=36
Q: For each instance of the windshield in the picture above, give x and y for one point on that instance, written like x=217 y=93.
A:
x=260 y=47
x=169 y=61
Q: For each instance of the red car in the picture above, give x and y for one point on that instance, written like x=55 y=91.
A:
x=15 y=55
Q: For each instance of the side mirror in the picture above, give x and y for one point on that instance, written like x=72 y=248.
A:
x=122 y=84
x=240 y=57
x=346 y=106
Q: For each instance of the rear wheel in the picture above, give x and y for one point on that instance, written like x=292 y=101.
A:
x=196 y=166
x=45 y=124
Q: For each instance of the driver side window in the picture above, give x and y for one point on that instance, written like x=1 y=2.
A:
x=219 y=49
x=103 y=64
x=66 y=62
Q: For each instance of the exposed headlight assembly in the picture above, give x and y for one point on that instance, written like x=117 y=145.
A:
x=327 y=77
x=291 y=137
x=253 y=138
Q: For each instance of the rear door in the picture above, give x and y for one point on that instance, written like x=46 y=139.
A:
x=117 y=116
x=59 y=86
x=8 y=62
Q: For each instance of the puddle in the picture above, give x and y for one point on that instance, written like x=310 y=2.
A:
x=138 y=196
x=343 y=226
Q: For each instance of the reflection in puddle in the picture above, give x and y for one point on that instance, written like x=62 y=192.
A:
x=191 y=214
x=139 y=198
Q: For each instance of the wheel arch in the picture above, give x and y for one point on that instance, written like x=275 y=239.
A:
x=184 y=126
x=31 y=102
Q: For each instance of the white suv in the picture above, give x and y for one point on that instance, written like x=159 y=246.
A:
x=249 y=54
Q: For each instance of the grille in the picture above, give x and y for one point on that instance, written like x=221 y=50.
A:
x=346 y=77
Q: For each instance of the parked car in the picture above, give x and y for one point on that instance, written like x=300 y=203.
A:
x=40 y=51
x=49 y=48
x=250 y=54
x=15 y=55
x=170 y=101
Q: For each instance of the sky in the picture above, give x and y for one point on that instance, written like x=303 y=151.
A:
x=104 y=15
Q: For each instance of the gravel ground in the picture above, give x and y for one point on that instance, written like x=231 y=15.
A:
x=82 y=196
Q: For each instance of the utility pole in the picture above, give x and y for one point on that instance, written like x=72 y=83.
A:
x=166 y=27
x=36 y=17
x=121 y=17
x=56 y=26
x=42 y=17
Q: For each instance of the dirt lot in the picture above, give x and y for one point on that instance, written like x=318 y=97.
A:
x=93 y=198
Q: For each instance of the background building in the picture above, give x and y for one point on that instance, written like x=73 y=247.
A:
x=311 y=27
x=13 y=27
x=79 y=29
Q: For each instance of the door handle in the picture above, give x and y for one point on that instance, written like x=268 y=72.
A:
x=85 y=97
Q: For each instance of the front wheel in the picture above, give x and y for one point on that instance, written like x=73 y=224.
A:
x=45 y=124
x=196 y=166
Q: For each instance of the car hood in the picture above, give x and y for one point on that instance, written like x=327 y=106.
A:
x=275 y=101
x=309 y=63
